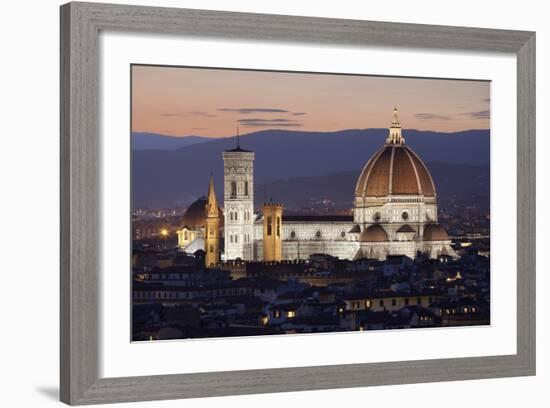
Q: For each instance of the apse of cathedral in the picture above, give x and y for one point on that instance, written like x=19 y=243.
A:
x=394 y=213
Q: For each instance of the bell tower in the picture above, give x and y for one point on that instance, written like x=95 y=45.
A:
x=212 y=228
x=238 y=202
x=273 y=219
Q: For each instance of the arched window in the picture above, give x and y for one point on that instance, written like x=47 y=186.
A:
x=292 y=234
x=318 y=234
x=269 y=225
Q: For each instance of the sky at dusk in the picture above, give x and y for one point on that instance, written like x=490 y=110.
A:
x=180 y=101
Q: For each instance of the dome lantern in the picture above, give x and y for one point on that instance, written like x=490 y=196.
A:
x=394 y=135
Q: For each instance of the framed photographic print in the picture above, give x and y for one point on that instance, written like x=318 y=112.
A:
x=317 y=227
x=259 y=203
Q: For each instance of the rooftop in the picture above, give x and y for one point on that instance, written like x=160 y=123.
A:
x=319 y=218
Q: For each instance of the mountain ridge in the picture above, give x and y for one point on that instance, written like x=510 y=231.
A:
x=156 y=141
x=175 y=177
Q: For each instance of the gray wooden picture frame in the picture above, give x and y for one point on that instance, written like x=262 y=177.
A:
x=80 y=234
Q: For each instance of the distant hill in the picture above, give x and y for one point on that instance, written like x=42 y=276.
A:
x=177 y=177
x=154 y=141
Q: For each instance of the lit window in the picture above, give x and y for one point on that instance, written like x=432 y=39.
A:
x=291 y=313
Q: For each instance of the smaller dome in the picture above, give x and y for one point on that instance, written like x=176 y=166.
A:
x=374 y=233
x=435 y=232
x=406 y=228
x=195 y=214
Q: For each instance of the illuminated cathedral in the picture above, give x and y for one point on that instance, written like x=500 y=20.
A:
x=394 y=213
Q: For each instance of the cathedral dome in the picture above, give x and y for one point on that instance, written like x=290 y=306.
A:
x=435 y=232
x=406 y=228
x=195 y=214
x=395 y=169
x=374 y=233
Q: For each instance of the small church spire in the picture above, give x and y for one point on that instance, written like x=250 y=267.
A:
x=212 y=228
x=238 y=138
x=212 y=205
